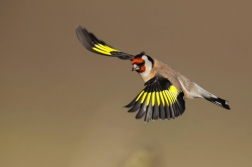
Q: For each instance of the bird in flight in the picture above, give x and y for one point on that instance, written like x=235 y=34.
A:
x=165 y=89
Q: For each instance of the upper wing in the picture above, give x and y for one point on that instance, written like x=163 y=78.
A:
x=90 y=42
x=159 y=99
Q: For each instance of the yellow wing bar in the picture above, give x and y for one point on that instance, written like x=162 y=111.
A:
x=104 y=49
x=164 y=97
x=93 y=44
x=159 y=99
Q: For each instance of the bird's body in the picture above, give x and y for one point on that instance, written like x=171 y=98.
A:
x=191 y=90
x=166 y=89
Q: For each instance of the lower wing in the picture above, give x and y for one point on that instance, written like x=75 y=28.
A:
x=158 y=100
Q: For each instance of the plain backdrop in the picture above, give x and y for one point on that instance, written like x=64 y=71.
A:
x=61 y=105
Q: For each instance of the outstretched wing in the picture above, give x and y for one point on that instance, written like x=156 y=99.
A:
x=93 y=44
x=159 y=99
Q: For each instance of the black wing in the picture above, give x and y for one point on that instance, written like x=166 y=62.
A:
x=159 y=99
x=93 y=44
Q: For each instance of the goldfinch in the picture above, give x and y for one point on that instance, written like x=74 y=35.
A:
x=165 y=89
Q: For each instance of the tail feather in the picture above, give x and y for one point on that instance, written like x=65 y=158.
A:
x=200 y=92
x=218 y=101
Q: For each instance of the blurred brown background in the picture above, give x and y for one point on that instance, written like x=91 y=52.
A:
x=61 y=105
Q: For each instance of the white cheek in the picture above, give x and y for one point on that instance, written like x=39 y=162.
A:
x=147 y=71
x=145 y=74
x=148 y=66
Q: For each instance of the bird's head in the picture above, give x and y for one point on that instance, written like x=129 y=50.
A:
x=142 y=63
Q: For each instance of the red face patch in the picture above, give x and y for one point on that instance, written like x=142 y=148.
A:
x=137 y=60
x=143 y=68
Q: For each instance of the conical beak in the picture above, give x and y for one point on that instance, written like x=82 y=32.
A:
x=135 y=67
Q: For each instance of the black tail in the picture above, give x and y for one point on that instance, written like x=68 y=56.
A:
x=220 y=102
